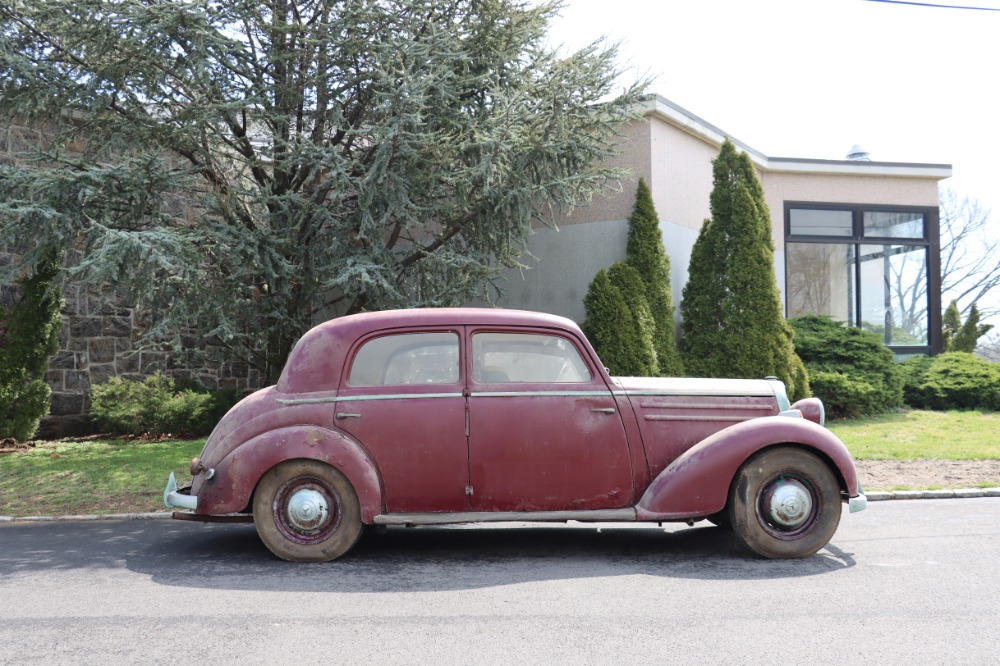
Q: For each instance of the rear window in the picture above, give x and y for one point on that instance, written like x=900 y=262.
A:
x=409 y=358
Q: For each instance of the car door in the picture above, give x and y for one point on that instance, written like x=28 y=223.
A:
x=545 y=432
x=402 y=397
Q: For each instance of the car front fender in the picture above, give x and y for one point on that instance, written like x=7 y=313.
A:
x=697 y=483
x=236 y=475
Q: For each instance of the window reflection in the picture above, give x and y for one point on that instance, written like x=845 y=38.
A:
x=809 y=222
x=894 y=294
x=883 y=224
x=820 y=280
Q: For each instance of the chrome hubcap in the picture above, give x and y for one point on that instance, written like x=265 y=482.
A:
x=308 y=510
x=789 y=503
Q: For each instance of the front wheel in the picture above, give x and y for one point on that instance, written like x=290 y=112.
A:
x=306 y=511
x=785 y=503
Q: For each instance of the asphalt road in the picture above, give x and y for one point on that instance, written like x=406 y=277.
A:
x=905 y=582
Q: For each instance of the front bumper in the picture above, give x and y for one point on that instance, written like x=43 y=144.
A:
x=178 y=498
x=858 y=503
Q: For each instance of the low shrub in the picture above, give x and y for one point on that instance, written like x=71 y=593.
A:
x=156 y=406
x=913 y=372
x=844 y=396
x=850 y=369
x=958 y=380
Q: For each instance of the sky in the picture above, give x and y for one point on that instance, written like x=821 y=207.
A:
x=811 y=78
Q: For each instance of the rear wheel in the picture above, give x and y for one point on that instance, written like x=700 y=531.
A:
x=785 y=503
x=306 y=511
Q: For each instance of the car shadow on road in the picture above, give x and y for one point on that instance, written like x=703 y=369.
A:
x=195 y=555
x=442 y=558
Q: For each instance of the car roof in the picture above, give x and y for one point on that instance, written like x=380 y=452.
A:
x=316 y=361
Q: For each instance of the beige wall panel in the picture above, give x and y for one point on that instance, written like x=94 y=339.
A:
x=681 y=175
x=634 y=155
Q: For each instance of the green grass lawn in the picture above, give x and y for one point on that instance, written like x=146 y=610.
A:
x=915 y=435
x=116 y=476
x=113 y=476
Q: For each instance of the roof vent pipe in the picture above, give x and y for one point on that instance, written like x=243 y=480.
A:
x=858 y=154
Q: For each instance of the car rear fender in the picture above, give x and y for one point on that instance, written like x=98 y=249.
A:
x=236 y=476
x=697 y=483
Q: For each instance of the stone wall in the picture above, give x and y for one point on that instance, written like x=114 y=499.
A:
x=98 y=337
x=97 y=342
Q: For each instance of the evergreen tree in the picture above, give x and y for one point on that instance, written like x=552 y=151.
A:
x=29 y=334
x=950 y=325
x=645 y=252
x=245 y=169
x=611 y=329
x=630 y=285
x=968 y=335
x=733 y=320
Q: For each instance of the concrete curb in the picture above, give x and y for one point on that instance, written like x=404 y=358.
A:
x=874 y=496
x=93 y=517
x=957 y=493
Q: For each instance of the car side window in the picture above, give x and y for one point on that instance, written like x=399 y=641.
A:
x=527 y=358
x=408 y=358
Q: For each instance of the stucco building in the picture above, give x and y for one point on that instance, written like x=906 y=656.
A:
x=855 y=239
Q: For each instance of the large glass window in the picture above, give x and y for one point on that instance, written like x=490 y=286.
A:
x=866 y=266
x=820 y=280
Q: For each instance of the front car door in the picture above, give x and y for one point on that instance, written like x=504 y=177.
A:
x=545 y=432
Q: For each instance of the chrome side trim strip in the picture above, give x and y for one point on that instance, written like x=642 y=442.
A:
x=543 y=394
x=713 y=394
x=680 y=405
x=602 y=515
x=670 y=417
x=362 y=398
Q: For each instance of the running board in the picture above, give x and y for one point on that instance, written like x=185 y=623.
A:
x=600 y=516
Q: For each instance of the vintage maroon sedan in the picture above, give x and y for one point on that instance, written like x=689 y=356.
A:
x=423 y=417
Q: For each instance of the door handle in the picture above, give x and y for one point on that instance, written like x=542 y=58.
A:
x=603 y=410
x=347 y=415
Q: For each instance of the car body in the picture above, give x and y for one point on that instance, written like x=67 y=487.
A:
x=452 y=415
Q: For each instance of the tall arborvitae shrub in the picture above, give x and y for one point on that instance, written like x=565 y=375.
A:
x=629 y=284
x=645 y=252
x=29 y=334
x=612 y=330
x=733 y=320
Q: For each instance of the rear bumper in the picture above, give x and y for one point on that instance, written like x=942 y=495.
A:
x=178 y=498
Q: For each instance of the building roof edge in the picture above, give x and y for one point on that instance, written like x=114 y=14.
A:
x=662 y=108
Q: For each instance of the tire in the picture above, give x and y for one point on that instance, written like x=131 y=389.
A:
x=784 y=503
x=720 y=519
x=306 y=511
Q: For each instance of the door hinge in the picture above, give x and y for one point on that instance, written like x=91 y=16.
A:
x=468 y=490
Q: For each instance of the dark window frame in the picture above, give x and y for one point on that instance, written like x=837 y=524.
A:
x=931 y=240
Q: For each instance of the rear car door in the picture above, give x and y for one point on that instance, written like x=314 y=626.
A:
x=402 y=397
